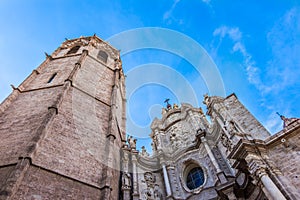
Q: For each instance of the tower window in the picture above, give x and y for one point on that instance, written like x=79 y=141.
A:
x=74 y=50
x=51 y=78
x=195 y=178
x=102 y=56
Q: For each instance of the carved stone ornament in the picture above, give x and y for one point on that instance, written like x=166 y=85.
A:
x=257 y=167
x=152 y=192
x=149 y=178
x=230 y=126
x=226 y=142
x=178 y=137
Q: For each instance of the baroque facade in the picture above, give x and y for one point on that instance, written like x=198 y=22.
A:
x=63 y=136
x=232 y=156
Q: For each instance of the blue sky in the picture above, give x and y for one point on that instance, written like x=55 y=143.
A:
x=255 y=46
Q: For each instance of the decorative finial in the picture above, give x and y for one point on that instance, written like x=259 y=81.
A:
x=281 y=116
x=286 y=121
x=66 y=39
x=94 y=34
x=13 y=87
x=48 y=56
x=168 y=105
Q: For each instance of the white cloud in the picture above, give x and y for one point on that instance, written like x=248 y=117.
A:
x=168 y=13
x=273 y=123
x=284 y=39
x=236 y=36
x=232 y=32
x=206 y=1
x=278 y=78
x=170 y=18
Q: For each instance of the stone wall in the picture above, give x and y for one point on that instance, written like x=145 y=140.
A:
x=245 y=119
x=20 y=121
x=39 y=183
x=284 y=153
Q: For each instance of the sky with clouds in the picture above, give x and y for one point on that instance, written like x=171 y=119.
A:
x=255 y=46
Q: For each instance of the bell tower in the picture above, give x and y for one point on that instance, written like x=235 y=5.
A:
x=61 y=130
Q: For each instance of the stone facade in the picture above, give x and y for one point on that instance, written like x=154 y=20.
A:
x=62 y=135
x=238 y=157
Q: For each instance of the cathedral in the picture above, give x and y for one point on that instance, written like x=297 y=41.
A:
x=63 y=136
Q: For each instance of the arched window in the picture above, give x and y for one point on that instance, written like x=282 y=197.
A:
x=195 y=178
x=102 y=56
x=74 y=50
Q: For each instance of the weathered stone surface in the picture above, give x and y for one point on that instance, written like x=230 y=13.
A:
x=62 y=120
x=39 y=183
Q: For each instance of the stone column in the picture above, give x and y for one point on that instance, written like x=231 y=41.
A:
x=126 y=193
x=210 y=154
x=258 y=168
x=271 y=187
x=135 y=175
x=166 y=179
x=126 y=177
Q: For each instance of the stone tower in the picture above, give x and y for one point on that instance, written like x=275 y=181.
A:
x=61 y=130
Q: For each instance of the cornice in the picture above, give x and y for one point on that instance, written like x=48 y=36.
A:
x=287 y=132
x=247 y=147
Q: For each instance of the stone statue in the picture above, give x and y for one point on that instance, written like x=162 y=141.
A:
x=144 y=151
x=201 y=111
x=206 y=100
x=230 y=127
x=175 y=106
x=149 y=178
x=126 y=180
x=131 y=142
x=118 y=63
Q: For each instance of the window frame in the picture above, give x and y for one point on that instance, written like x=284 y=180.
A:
x=187 y=167
x=102 y=55
x=73 y=50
